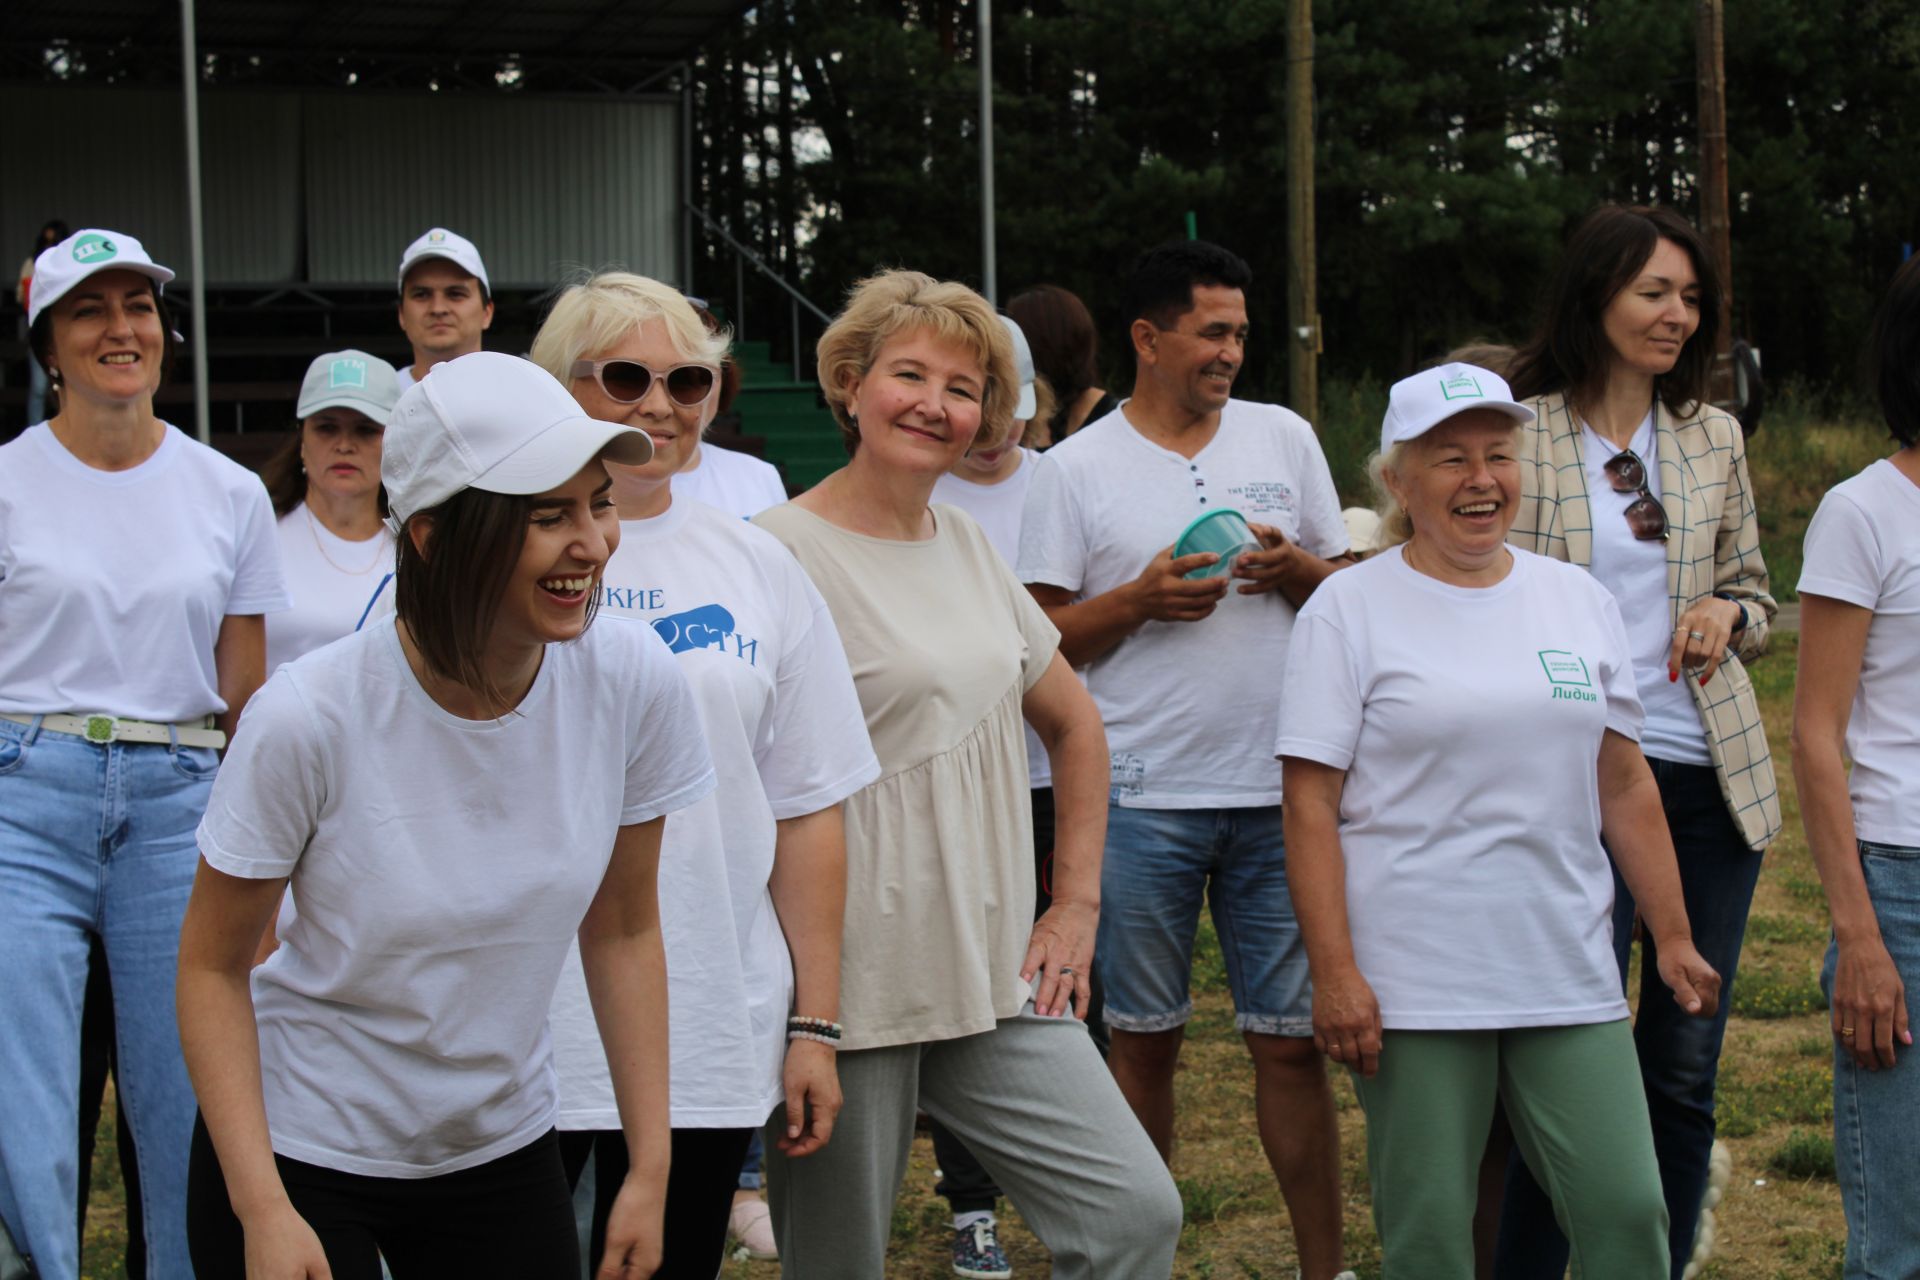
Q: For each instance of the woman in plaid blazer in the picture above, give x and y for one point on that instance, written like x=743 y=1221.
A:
x=1631 y=474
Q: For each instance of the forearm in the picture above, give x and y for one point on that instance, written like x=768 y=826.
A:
x=627 y=983
x=1091 y=627
x=1081 y=768
x=240 y=665
x=221 y=1044
x=1317 y=881
x=809 y=889
x=1820 y=776
x=1636 y=832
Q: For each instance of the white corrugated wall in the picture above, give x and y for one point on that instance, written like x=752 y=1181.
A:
x=541 y=185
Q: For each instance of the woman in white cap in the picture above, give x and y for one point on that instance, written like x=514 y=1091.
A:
x=753 y=878
x=135 y=565
x=1630 y=473
x=1455 y=903
x=955 y=998
x=454 y=797
x=325 y=486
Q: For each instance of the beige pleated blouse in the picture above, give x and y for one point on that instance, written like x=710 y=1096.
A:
x=943 y=643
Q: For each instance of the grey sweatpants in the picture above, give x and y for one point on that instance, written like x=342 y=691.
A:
x=1036 y=1104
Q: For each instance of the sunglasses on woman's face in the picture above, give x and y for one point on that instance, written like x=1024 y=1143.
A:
x=628 y=381
x=1645 y=516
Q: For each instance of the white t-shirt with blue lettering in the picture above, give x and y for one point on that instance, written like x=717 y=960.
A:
x=1469 y=724
x=442 y=867
x=788 y=738
x=1189 y=722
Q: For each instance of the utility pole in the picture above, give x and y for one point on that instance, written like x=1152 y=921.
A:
x=989 y=282
x=1303 y=290
x=1715 y=219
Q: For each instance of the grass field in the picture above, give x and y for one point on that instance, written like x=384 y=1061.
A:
x=1781 y=1218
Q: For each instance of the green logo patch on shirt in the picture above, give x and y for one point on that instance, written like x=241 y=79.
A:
x=1568 y=674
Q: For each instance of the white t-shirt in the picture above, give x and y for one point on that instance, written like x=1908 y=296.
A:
x=331 y=580
x=788 y=738
x=113 y=584
x=1187 y=723
x=1635 y=571
x=403 y=375
x=737 y=483
x=442 y=867
x=1469 y=724
x=997 y=509
x=1863 y=548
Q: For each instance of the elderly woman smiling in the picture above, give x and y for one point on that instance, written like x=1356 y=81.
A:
x=950 y=990
x=1456 y=903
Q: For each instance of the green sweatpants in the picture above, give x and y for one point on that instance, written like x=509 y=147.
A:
x=1579 y=1114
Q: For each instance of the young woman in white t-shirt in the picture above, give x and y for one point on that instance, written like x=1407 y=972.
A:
x=1459 y=730
x=135 y=567
x=753 y=879
x=1856 y=698
x=325 y=486
x=455 y=797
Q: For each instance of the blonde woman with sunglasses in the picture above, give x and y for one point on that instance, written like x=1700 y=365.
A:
x=753 y=879
x=1631 y=474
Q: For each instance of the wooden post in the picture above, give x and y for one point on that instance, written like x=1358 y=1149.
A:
x=1303 y=307
x=1715 y=218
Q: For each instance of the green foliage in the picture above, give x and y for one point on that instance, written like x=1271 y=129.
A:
x=1766 y=993
x=1204 y=1199
x=1777 y=929
x=1805 y=1154
x=1800 y=1095
x=1457 y=141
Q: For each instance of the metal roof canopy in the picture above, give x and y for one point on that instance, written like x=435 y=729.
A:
x=497 y=46
x=617 y=46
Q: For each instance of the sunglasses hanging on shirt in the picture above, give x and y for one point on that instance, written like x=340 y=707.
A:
x=628 y=381
x=1645 y=516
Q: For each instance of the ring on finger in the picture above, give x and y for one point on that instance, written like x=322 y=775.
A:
x=1066 y=971
x=1696 y=635
x=1846 y=1033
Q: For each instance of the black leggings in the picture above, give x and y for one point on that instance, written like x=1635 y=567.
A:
x=700 y=1187
x=512 y=1216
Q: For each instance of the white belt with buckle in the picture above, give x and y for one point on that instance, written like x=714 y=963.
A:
x=104 y=729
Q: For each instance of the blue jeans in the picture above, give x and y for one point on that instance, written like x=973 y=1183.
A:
x=1679 y=1055
x=1160 y=865
x=94 y=841
x=1876 y=1114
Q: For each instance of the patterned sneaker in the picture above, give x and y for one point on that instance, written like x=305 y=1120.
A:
x=977 y=1253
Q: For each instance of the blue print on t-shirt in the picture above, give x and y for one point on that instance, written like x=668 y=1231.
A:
x=710 y=626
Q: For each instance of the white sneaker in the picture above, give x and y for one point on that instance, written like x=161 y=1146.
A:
x=1719 y=1173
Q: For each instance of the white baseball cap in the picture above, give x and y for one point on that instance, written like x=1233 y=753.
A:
x=442 y=243
x=496 y=422
x=1023 y=362
x=1418 y=404
x=87 y=251
x=349 y=380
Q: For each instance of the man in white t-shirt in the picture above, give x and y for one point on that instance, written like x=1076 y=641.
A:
x=1185 y=671
x=446 y=304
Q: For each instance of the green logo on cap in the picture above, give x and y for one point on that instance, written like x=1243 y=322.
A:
x=94 y=248
x=436 y=237
x=347 y=373
x=1461 y=388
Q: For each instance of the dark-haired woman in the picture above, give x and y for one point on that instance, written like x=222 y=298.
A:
x=135 y=565
x=455 y=799
x=1630 y=473
x=325 y=486
x=1066 y=352
x=1856 y=698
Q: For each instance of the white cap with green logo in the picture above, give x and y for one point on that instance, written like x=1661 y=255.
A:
x=442 y=243
x=87 y=252
x=349 y=380
x=1418 y=404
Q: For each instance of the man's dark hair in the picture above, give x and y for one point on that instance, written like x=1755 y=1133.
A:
x=1569 y=351
x=1160 y=286
x=1894 y=353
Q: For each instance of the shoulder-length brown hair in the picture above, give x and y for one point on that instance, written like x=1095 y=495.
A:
x=1569 y=351
x=286 y=478
x=449 y=595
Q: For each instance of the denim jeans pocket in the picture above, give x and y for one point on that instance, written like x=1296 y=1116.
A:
x=195 y=764
x=13 y=747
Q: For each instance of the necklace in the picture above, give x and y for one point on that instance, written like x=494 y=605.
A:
x=313 y=527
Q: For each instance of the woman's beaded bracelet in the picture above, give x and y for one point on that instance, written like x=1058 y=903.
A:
x=818 y=1030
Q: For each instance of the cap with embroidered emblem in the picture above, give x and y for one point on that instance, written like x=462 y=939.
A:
x=87 y=252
